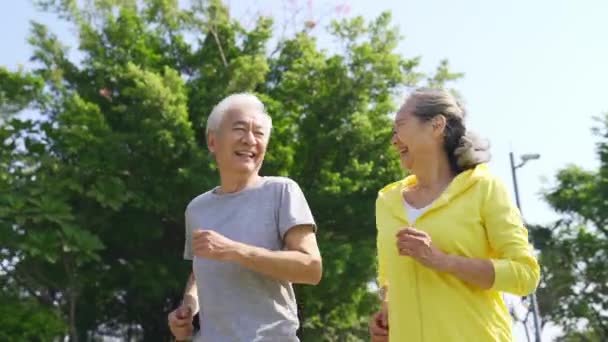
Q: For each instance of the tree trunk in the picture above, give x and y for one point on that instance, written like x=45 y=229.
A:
x=72 y=297
x=156 y=329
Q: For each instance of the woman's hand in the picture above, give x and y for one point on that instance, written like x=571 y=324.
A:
x=418 y=245
x=378 y=325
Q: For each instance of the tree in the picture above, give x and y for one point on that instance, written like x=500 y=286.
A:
x=94 y=187
x=574 y=291
x=27 y=320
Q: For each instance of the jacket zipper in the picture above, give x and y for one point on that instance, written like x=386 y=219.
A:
x=418 y=297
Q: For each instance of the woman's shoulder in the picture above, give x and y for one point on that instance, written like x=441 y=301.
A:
x=394 y=187
x=391 y=192
x=489 y=184
x=483 y=176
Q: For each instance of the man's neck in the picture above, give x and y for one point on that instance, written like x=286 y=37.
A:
x=236 y=183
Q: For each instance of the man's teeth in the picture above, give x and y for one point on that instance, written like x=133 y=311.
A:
x=248 y=154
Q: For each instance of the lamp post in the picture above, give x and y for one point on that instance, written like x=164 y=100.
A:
x=524 y=159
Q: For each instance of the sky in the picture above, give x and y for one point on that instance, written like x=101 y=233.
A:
x=535 y=74
x=535 y=71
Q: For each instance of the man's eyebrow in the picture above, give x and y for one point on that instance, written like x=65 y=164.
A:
x=239 y=123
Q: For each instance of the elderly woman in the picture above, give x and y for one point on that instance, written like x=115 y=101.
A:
x=450 y=239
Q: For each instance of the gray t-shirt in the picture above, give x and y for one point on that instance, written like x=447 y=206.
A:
x=236 y=303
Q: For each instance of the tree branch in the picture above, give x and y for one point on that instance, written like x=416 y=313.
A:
x=72 y=297
x=219 y=44
x=603 y=328
x=42 y=298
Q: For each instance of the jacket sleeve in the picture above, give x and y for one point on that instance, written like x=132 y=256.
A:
x=381 y=217
x=386 y=242
x=515 y=266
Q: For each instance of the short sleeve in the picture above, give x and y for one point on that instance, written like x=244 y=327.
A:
x=293 y=209
x=188 y=255
x=515 y=266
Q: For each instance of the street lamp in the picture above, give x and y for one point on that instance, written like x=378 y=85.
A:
x=524 y=159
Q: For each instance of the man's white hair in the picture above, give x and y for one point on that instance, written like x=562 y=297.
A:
x=235 y=101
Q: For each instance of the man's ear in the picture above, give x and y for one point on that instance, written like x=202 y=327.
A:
x=211 y=142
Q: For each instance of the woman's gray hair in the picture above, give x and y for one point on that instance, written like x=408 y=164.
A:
x=235 y=101
x=465 y=149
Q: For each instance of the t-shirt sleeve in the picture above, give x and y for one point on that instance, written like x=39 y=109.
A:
x=293 y=209
x=188 y=241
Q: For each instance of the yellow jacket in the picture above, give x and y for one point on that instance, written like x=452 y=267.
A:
x=474 y=217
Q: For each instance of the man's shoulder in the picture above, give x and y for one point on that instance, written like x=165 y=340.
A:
x=199 y=200
x=279 y=181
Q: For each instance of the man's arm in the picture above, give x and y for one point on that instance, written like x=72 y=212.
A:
x=191 y=294
x=300 y=262
x=180 y=319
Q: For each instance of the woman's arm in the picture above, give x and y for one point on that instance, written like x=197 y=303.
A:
x=418 y=245
x=515 y=266
x=479 y=272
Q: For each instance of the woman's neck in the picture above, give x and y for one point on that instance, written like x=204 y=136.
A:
x=434 y=174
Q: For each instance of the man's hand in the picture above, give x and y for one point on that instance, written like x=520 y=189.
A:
x=180 y=322
x=418 y=245
x=378 y=325
x=212 y=245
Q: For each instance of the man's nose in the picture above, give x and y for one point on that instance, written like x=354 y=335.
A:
x=249 y=138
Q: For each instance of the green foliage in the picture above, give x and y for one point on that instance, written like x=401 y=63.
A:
x=17 y=90
x=574 y=292
x=93 y=189
x=26 y=320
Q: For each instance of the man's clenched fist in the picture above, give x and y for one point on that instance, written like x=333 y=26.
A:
x=212 y=245
x=180 y=322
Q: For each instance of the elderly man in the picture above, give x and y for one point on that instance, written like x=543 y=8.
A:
x=249 y=238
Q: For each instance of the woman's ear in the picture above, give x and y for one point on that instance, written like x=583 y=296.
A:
x=439 y=123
